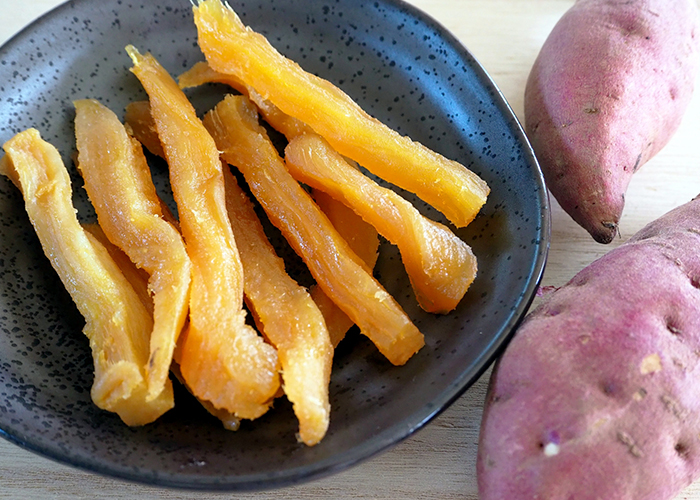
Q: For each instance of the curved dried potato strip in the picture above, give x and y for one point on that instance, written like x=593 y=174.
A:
x=139 y=280
x=283 y=315
x=234 y=49
x=118 y=182
x=116 y=322
x=441 y=267
x=342 y=274
x=222 y=359
x=290 y=318
x=351 y=227
x=287 y=315
x=362 y=239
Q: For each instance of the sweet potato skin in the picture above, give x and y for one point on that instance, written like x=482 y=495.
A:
x=596 y=396
x=607 y=91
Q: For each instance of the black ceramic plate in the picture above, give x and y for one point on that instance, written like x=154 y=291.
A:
x=401 y=67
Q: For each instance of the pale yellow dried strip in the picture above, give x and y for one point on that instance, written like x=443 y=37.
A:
x=139 y=280
x=118 y=182
x=116 y=322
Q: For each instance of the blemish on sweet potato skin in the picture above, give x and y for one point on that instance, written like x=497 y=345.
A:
x=630 y=443
x=650 y=364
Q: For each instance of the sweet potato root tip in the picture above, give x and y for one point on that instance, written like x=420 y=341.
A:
x=606 y=92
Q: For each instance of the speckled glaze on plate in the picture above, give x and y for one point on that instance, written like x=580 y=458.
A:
x=400 y=66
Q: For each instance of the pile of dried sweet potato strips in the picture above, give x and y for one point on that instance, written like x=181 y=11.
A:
x=162 y=295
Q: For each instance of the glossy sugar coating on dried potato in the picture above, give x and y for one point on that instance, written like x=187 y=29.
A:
x=597 y=394
x=606 y=93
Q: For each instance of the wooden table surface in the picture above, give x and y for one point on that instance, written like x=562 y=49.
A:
x=438 y=462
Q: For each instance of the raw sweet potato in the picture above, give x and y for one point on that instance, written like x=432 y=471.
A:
x=606 y=93
x=596 y=396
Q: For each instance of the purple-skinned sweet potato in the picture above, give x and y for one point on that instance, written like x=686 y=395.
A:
x=597 y=395
x=607 y=91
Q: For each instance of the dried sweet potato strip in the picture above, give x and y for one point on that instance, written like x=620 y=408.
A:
x=137 y=277
x=232 y=48
x=362 y=239
x=342 y=274
x=116 y=322
x=118 y=182
x=223 y=360
x=290 y=318
x=202 y=73
x=139 y=280
x=440 y=265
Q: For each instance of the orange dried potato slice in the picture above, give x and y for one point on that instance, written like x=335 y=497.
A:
x=234 y=49
x=362 y=239
x=222 y=359
x=290 y=319
x=202 y=73
x=440 y=266
x=119 y=185
x=117 y=324
x=343 y=275
x=284 y=311
x=288 y=316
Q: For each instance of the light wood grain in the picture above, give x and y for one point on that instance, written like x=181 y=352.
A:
x=439 y=461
